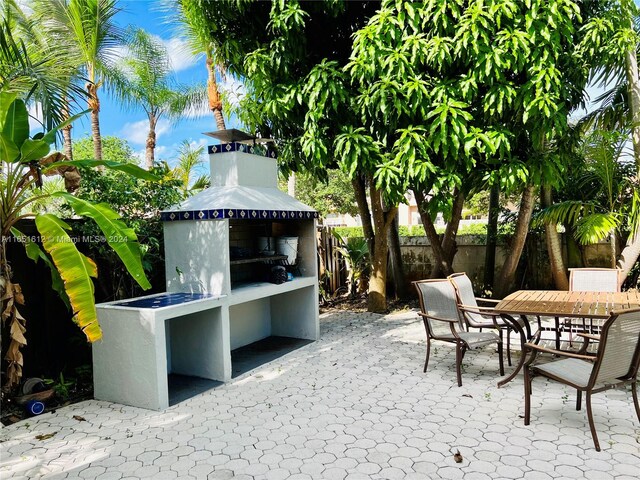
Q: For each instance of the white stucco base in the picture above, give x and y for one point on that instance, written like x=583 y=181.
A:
x=141 y=346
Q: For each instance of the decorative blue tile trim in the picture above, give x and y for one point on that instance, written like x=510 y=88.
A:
x=233 y=213
x=262 y=150
x=164 y=300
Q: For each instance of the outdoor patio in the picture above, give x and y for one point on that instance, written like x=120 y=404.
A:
x=353 y=405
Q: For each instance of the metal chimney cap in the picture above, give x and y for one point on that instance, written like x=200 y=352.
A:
x=234 y=135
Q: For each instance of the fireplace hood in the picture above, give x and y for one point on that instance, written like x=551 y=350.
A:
x=244 y=179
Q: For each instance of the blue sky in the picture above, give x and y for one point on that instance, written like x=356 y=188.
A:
x=133 y=125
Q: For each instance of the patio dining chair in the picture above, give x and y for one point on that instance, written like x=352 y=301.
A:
x=590 y=280
x=479 y=317
x=594 y=279
x=615 y=364
x=442 y=321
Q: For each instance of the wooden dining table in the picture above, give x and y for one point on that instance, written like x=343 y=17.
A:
x=560 y=304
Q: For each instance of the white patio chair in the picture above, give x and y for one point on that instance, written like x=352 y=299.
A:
x=475 y=316
x=594 y=279
x=615 y=364
x=442 y=321
x=591 y=280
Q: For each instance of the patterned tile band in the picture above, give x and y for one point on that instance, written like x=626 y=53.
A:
x=221 y=214
x=262 y=150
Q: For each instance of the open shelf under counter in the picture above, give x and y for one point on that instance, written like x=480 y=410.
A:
x=247 y=292
x=262 y=259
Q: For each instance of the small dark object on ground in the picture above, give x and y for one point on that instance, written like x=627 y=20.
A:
x=457 y=457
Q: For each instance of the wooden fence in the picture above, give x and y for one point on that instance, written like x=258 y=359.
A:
x=332 y=270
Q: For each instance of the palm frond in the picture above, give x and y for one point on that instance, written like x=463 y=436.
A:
x=564 y=213
x=596 y=227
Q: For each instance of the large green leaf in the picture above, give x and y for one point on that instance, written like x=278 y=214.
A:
x=132 y=170
x=34 y=252
x=6 y=99
x=9 y=152
x=50 y=136
x=121 y=239
x=33 y=150
x=16 y=124
x=596 y=227
x=76 y=271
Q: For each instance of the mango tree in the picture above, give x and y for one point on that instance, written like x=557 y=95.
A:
x=292 y=56
x=22 y=165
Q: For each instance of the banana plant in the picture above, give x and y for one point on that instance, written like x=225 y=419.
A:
x=22 y=164
x=355 y=253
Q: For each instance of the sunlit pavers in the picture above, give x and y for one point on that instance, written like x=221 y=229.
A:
x=353 y=405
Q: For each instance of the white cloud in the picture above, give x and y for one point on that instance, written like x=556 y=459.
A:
x=136 y=132
x=180 y=56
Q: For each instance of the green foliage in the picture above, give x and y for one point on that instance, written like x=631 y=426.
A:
x=600 y=191
x=335 y=195
x=418 y=230
x=114 y=149
x=189 y=164
x=138 y=202
x=431 y=95
x=61 y=387
x=20 y=190
x=355 y=252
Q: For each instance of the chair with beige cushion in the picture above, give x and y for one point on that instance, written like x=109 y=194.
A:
x=442 y=321
x=614 y=364
x=475 y=316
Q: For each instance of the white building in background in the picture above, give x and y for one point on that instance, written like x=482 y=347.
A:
x=408 y=216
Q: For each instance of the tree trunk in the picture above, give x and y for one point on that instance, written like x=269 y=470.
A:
x=449 y=239
x=492 y=237
x=629 y=255
x=508 y=271
x=94 y=106
x=377 y=299
x=149 y=157
x=432 y=235
x=360 y=189
x=554 y=244
x=66 y=131
x=633 y=85
x=631 y=251
x=395 y=257
x=215 y=104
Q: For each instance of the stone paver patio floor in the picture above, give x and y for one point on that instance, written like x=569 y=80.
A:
x=353 y=405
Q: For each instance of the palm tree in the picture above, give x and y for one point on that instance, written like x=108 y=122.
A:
x=33 y=67
x=194 y=28
x=189 y=160
x=614 y=43
x=599 y=204
x=87 y=30
x=144 y=80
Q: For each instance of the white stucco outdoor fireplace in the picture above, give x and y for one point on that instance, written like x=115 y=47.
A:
x=241 y=272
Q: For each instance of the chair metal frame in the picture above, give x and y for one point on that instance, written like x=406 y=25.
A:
x=594 y=384
x=594 y=326
x=492 y=318
x=461 y=345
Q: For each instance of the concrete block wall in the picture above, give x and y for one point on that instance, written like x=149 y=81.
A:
x=418 y=259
